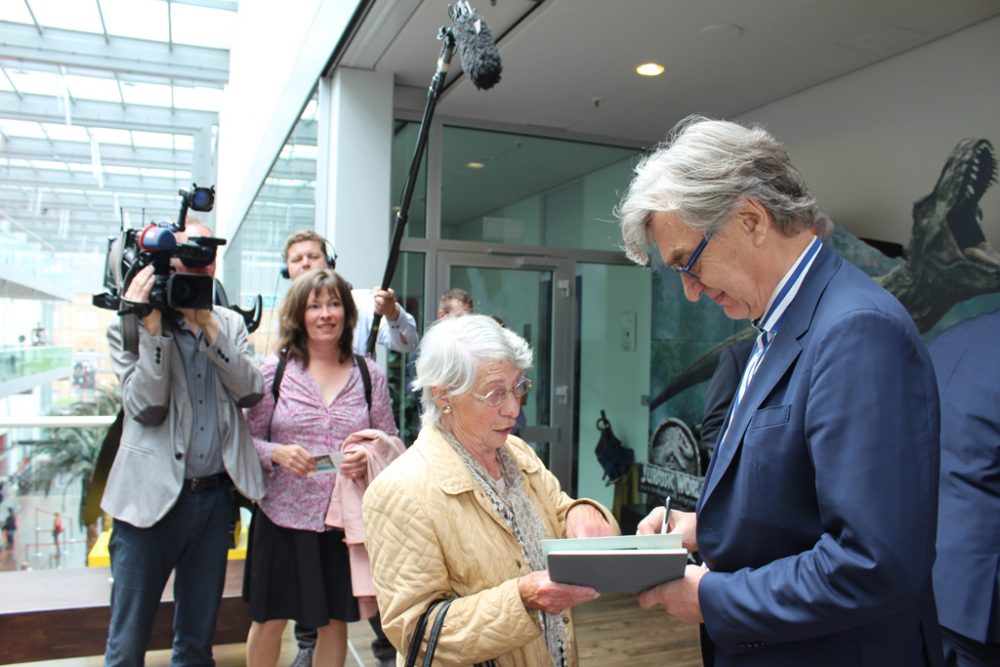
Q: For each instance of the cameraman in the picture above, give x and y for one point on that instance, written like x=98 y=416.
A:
x=184 y=446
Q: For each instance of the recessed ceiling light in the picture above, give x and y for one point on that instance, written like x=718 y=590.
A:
x=474 y=165
x=649 y=69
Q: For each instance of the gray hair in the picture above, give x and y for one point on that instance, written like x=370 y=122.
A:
x=452 y=351
x=702 y=171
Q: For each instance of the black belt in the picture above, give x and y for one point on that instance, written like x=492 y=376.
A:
x=198 y=484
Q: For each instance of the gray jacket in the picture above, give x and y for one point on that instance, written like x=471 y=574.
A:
x=146 y=477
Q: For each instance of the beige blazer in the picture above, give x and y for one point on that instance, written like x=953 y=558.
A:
x=146 y=477
x=433 y=533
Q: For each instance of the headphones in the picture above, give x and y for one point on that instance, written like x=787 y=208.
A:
x=331 y=260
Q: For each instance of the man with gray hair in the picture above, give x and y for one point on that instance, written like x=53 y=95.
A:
x=816 y=522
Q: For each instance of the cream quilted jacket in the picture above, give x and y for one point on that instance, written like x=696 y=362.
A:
x=432 y=533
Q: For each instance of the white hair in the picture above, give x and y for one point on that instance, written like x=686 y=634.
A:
x=453 y=350
x=702 y=171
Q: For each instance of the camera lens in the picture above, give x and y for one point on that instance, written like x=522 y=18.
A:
x=185 y=290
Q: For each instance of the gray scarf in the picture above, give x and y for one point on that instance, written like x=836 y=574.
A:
x=518 y=511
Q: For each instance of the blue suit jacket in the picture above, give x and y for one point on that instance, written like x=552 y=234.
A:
x=817 y=518
x=967 y=572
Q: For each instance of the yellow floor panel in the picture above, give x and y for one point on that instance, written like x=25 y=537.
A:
x=99 y=557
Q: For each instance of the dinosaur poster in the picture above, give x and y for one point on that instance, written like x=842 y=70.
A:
x=950 y=272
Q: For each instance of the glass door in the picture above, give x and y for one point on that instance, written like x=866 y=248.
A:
x=531 y=295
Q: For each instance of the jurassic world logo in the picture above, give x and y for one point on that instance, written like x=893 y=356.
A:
x=682 y=487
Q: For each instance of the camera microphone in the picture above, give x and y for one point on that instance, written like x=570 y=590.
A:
x=480 y=57
x=157 y=238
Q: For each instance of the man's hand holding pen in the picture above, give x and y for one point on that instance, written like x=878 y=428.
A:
x=665 y=520
x=679 y=598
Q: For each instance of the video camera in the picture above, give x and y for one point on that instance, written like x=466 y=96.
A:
x=156 y=244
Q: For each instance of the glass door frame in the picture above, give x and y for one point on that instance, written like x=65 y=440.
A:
x=559 y=432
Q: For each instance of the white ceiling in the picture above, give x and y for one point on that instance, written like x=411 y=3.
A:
x=100 y=99
x=722 y=57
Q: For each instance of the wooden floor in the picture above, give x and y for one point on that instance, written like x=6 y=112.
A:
x=611 y=632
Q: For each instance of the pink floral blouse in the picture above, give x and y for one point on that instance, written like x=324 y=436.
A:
x=301 y=418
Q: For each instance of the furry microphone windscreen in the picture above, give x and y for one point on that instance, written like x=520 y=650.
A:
x=480 y=57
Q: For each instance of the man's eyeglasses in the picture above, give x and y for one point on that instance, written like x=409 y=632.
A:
x=498 y=397
x=693 y=258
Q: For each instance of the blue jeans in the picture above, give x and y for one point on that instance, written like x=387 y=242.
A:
x=192 y=539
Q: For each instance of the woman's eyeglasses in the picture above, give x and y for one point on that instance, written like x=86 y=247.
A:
x=498 y=397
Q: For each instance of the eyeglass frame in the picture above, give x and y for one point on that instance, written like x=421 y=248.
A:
x=519 y=391
x=688 y=265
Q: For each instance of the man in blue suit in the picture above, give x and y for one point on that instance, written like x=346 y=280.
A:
x=967 y=572
x=816 y=522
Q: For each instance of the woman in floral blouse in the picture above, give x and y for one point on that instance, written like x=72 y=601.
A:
x=297 y=567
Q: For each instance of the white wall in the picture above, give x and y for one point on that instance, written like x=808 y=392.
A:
x=279 y=52
x=612 y=378
x=872 y=142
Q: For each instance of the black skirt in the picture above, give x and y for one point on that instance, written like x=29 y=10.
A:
x=297 y=574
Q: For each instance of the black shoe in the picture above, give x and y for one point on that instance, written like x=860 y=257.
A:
x=304 y=658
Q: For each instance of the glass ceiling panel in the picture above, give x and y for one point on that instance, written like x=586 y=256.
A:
x=299 y=151
x=92 y=88
x=110 y=135
x=67 y=14
x=21 y=128
x=202 y=26
x=58 y=132
x=199 y=99
x=140 y=19
x=34 y=82
x=14 y=11
x=160 y=173
x=63 y=169
x=122 y=171
x=150 y=94
x=153 y=139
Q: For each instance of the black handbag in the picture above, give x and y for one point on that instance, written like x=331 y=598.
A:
x=432 y=640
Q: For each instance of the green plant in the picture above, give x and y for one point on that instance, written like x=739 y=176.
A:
x=71 y=452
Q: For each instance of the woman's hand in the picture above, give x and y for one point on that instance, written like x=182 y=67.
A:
x=293 y=458
x=584 y=520
x=685 y=523
x=355 y=464
x=539 y=592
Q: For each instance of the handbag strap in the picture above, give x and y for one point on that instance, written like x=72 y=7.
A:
x=432 y=640
x=418 y=634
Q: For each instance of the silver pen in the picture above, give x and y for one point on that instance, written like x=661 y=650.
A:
x=666 y=513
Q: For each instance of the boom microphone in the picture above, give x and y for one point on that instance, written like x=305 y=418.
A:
x=480 y=57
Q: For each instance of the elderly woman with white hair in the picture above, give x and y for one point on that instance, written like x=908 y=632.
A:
x=461 y=514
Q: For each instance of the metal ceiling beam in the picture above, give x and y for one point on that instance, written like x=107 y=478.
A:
x=85 y=180
x=125 y=156
x=23 y=203
x=123 y=186
x=111 y=154
x=125 y=55
x=45 y=109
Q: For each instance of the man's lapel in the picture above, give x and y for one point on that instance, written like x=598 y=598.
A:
x=780 y=357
